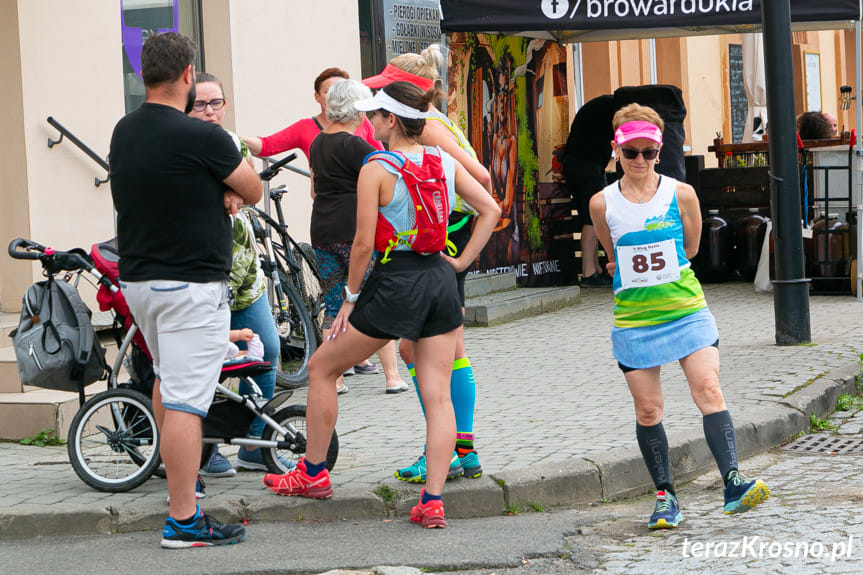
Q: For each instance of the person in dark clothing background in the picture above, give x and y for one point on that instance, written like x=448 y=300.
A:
x=587 y=152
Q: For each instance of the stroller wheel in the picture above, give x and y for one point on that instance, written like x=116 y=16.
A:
x=113 y=441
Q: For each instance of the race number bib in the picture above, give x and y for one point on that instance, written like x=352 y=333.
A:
x=648 y=264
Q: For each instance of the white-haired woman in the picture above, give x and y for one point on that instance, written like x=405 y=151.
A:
x=335 y=158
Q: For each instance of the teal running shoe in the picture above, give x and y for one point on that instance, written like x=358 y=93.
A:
x=742 y=493
x=470 y=463
x=416 y=473
x=666 y=514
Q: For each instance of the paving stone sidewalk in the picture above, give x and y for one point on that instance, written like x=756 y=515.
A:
x=549 y=393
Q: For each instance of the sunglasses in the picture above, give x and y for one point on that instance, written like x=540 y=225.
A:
x=215 y=104
x=647 y=153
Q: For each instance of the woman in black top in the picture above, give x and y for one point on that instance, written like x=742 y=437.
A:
x=336 y=156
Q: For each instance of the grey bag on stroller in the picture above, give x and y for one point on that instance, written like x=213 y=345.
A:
x=55 y=344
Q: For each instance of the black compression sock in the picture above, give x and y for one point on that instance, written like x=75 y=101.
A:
x=654 y=449
x=719 y=432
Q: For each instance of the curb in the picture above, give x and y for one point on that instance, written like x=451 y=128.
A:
x=616 y=474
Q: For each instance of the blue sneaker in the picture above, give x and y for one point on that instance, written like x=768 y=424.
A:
x=218 y=466
x=666 y=514
x=470 y=463
x=416 y=473
x=253 y=461
x=205 y=532
x=742 y=493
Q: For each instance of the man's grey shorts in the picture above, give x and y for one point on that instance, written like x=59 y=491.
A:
x=186 y=326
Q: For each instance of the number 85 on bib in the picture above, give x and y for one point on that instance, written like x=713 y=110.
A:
x=648 y=265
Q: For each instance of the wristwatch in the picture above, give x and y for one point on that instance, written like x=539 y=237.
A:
x=351 y=297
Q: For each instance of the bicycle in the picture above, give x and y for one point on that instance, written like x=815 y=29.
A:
x=296 y=296
x=113 y=441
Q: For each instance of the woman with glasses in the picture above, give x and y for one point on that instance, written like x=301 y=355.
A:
x=250 y=308
x=650 y=226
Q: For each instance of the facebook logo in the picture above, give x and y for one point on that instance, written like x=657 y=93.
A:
x=555 y=9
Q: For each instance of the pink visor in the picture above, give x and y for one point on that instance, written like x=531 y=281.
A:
x=637 y=129
x=392 y=74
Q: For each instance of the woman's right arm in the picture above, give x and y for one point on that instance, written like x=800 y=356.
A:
x=281 y=141
x=600 y=226
x=368 y=200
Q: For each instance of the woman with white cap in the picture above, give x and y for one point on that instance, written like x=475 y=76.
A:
x=421 y=70
x=408 y=294
x=650 y=225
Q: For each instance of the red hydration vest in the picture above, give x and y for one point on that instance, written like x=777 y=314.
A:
x=428 y=190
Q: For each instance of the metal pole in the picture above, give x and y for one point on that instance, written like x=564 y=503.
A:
x=791 y=288
x=857 y=172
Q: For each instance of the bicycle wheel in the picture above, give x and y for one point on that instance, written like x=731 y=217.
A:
x=309 y=284
x=113 y=441
x=295 y=415
x=296 y=335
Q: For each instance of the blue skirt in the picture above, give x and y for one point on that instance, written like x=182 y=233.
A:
x=654 y=345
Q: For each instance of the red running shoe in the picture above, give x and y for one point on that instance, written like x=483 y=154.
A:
x=430 y=514
x=298 y=482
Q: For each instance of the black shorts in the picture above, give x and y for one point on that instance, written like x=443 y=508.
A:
x=460 y=238
x=411 y=297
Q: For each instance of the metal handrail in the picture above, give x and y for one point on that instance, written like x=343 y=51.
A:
x=64 y=132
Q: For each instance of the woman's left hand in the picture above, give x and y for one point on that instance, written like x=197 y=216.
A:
x=456 y=263
x=340 y=324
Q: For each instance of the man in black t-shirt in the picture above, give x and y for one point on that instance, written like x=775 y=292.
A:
x=175 y=180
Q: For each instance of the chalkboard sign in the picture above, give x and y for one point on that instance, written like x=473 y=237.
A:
x=737 y=88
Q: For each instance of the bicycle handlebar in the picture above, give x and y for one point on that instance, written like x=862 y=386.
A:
x=54 y=262
x=270 y=172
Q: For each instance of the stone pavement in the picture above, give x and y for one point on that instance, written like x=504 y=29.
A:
x=554 y=424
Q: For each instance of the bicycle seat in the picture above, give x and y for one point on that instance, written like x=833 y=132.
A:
x=244 y=366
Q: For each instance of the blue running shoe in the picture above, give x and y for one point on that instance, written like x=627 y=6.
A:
x=742 y=493
x=204 y=532
x=470 y=463
x=666 y=514
x=254 y=461
x=416 y=473
x=218 y=466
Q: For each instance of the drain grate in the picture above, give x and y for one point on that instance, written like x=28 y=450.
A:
x=829 y=444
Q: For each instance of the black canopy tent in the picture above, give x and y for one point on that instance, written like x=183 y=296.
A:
x=571 y=21
x=598 y=20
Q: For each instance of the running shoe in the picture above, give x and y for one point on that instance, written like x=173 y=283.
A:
x=298 y=482
x=416 y=473
x=470 y=463
x=596 y=280
x=199 y=489
x=429 y=514
x=204 y=532
x=254 y=461
x=742 y=493
x=218 y=466
x=666 y=514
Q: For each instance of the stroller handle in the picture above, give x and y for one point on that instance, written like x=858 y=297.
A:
x=56 y=261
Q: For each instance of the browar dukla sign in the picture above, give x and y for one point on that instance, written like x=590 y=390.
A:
x=612 y=17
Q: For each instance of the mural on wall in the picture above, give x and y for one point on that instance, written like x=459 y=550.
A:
x=509 y=96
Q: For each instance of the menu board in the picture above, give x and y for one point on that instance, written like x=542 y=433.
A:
x=737 y=88
x=410 y=26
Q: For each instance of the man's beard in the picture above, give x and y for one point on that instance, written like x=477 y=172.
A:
x=190 y=101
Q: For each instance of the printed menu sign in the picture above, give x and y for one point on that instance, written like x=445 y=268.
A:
x=410 y=26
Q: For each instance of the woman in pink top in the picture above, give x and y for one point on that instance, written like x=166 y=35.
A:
x=300 y=134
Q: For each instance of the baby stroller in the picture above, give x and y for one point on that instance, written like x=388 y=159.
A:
x=113 y=441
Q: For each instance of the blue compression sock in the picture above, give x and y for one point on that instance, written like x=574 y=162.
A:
x=463 y=392
x=413 y=373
